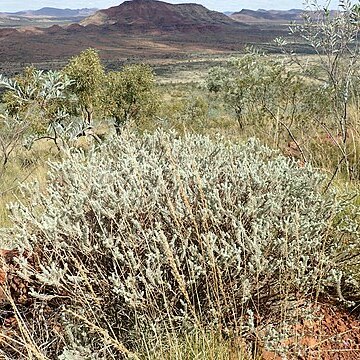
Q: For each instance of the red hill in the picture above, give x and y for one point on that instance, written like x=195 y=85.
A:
x=157 y=15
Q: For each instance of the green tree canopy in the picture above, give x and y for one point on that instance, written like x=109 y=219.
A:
x=88 y=75
x=130 y=94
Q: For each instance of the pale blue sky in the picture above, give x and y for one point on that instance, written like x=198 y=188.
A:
x=220 y=5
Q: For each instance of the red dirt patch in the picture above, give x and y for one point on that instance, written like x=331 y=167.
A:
x=10 y=281
x=334 y=335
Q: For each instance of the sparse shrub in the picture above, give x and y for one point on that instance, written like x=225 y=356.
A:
x=196 y=110
x=184 y=113
x=130 y=95
x=255 y=86
x=334 y=38
x=11 y=135
x=268 y=96
x=156 y=234
x=189 y=114
x=39 y=102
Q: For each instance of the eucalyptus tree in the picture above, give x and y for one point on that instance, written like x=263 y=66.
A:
x=88 y=75
x=130 y=94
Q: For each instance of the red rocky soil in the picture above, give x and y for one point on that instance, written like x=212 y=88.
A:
x=334 y=334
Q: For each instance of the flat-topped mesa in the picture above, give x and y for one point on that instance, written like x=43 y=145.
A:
x=55 y=12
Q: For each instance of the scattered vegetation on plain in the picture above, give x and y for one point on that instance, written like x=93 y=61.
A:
x=181 y=220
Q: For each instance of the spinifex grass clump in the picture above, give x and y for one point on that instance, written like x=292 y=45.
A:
x=167 y=232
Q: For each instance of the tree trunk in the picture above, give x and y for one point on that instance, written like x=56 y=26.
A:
x=118 y=125
x=88 y=115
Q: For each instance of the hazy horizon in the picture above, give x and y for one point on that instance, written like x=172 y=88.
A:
x=230 y=5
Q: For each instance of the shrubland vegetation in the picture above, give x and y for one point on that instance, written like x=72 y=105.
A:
x=154 y=225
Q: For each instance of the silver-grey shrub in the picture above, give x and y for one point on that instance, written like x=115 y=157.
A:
x=162 y=231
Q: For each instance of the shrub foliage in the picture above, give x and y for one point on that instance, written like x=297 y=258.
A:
x=163 y=231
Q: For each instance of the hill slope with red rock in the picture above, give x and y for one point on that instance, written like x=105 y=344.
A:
x=157 y=15
x=140 y=28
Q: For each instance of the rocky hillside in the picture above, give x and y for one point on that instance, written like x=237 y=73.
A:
x=275 y=16
x=153 y=14
x=247 y=15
